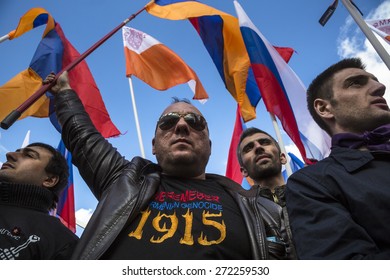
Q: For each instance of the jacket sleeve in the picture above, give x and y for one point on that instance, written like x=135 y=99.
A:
x=98 y=162
x=321 y=223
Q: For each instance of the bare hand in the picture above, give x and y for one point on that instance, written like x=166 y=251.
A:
x=61 y=84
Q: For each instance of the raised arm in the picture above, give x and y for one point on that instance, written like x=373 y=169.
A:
x=98 y=162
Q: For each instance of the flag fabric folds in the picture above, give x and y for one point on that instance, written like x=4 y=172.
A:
x=282 y=91
x=33 y=18
x=65 y=206
x=380 y=27
x=221 y=36
x=157 y=65
x=295 y=164
x=18 y=89
x=233 y=166
x=52 y=54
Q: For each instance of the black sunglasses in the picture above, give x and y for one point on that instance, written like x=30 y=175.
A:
x=168 y=121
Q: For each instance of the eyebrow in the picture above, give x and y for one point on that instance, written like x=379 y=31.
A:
x=29 y=150
x=359 y=77
x=256 y=140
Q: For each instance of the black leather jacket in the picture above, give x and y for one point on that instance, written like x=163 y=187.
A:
x=124 y=188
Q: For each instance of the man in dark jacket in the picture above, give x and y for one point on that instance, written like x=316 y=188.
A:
x=31 y=180
x=173 y=210
x=339 y=208
x=261 y=159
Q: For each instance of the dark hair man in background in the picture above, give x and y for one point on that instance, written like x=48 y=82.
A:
x=261 y=159
x=339 y=208
x=31 y=181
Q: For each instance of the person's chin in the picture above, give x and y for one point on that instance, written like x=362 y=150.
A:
x=4 y=176
x=183 y=155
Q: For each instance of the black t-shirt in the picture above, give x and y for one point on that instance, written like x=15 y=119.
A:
x=187 y=219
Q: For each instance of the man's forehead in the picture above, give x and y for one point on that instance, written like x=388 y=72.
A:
x=181 y=107
x=255 y=137
x=350 y=72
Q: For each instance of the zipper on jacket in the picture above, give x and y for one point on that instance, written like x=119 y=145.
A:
x=260 y=228
x=275 y=197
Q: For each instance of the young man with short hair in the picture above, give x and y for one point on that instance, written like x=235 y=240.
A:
x=31 y=181
x=339 y=208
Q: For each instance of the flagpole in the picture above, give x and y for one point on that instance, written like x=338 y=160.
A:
x=4 y=38
x=141 y=146
x=15 y=114
x=26 y=140
x=367 y=32
x=281 y=144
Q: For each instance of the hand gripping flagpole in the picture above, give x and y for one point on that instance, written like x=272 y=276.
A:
x=15 y=114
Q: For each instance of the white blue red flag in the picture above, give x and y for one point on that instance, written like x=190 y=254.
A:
x=282 y=91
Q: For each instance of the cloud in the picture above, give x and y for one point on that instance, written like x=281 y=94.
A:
x=83 y=216
x=352 y=42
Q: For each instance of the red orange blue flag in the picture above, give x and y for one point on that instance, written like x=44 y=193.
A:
x=221 y=36
x=33 y=18
x=52 y=54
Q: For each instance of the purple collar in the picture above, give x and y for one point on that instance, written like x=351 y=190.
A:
x=375 y=140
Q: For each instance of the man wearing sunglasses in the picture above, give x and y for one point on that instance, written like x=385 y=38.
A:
x=169 y=210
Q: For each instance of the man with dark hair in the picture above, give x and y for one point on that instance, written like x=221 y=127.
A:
x=31 y=181
x=339 y=208
x=169 y=210
x=261 y=160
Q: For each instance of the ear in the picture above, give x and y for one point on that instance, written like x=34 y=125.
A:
x=153 y=149
x=244 y=172
x=283 y=158
x=50 y=181
x=323 y=108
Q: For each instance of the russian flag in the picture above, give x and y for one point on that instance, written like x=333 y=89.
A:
x=282 y=91
x=295 y=164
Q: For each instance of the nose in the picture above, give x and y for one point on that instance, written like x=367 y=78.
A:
x=182 y=127
x=11 y=156
x=380 y=88
x=258 y=147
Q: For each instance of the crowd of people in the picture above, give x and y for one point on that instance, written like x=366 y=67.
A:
x=172 y=209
